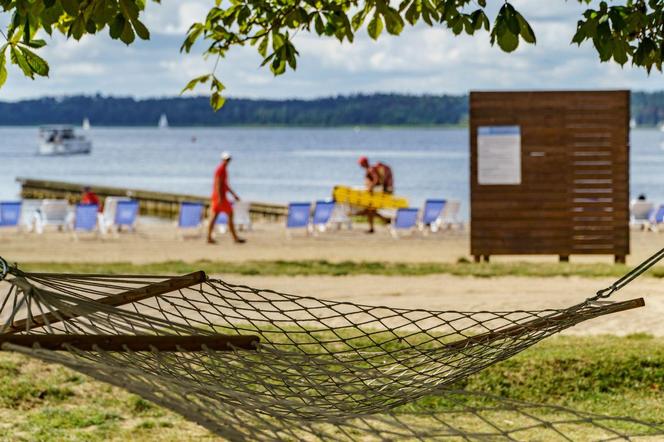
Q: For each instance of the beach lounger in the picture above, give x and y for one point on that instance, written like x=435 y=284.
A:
x=10 y=214
x=190 y=218
x=54 y=213
x=322 y=215
x=657 y=218
x=241 y=217
x=85 y=219
x=126 y=215
x=341 y=216
x=298 y=217
x=404 y=220
x=431 y=213
x=29 y=213
x=639 y=214
x=449 y=217
x=107 y=216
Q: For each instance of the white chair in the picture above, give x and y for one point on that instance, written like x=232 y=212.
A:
x=107 y=216
x=241 y=217
x=341 y=216
x=639 y=213
x=449 y=217
x=29 y=210
x=54 y=213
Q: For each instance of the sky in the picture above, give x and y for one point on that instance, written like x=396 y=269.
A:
x=422 y=60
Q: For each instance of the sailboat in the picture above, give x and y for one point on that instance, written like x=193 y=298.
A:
x=632 y=123
x=86 y=124
x=163 y=122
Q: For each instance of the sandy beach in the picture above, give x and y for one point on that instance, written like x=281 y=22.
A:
x=158 y=242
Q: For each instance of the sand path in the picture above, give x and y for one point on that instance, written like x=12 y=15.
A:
x=154 y=243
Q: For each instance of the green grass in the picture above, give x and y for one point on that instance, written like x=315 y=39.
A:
x=346 y=268
x=605 y=374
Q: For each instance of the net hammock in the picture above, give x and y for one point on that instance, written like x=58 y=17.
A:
x=252 y=364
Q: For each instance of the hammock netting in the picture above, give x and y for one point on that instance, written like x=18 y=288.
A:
x=252 y=364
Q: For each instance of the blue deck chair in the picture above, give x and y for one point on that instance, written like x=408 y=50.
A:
x=10 y=213
x=298 y=217
x=85 y=219
x=191 y=217
x=431 y=214
x=126 y=214
x=322 y=214
x=405 y=219
x=657 y=218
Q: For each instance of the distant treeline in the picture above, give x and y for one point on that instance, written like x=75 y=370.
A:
x=353 y=110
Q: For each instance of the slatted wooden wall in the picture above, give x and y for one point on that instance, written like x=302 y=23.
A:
x=574 y=191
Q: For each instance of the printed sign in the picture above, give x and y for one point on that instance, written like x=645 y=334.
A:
x=499 y=155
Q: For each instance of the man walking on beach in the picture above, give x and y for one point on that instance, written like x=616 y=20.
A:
x=378 y=178
x=219 y=202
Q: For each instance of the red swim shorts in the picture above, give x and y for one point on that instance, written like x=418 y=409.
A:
x=225 y=206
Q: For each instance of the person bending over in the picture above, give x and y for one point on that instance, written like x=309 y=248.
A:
x=378 y=178
x=219 y=202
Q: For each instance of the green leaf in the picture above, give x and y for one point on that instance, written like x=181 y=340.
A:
x=116 y=27
x=194 y=82
x=3 y=66
x=526 y=31
x=37 y=44
x=375 y=26
x=70 y=7
x=216 y=101
x=393 y=21
x=17 y=58
x=127 y=35
x=508 y=42
x=141 y=30
x=37 y=64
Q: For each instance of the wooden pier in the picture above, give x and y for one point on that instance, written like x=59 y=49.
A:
x=159 y=204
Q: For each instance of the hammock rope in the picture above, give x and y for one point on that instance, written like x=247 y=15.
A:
x=252 y=364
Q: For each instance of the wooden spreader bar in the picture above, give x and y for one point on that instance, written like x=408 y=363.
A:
x=133 y=295
x=538 y=323
x=122 y=343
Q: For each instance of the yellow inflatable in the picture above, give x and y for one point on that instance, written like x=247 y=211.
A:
x=364 y=198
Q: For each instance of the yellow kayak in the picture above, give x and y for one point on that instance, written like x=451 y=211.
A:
x=364 y=198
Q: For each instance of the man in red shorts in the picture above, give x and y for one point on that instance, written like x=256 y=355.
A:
x=219 y=202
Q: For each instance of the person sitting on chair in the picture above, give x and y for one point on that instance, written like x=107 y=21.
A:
x=89 y=197
x=378 y=178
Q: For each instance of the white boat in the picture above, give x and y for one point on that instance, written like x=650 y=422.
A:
x=632 y=123
x=163 y=122
x=86 y=124
x=61 y=140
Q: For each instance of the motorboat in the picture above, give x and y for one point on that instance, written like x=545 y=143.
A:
x=61 y=140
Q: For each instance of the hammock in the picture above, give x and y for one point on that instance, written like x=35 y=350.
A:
x=252 y=364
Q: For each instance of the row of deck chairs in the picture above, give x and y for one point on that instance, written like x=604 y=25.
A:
x=435 y=215
x=39 y=215
x=646 y=215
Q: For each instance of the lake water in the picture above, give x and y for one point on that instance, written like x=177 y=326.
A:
x=279 y=164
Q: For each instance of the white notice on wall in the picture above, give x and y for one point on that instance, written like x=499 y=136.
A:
x=499 y=155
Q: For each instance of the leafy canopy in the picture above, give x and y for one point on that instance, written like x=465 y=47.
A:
x=627 y=30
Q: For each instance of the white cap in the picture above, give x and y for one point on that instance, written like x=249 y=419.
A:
x=225 y=156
